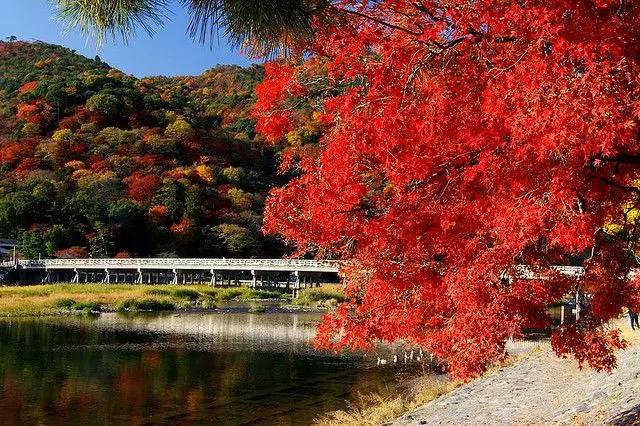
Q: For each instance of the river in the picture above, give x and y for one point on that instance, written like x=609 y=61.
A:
x=176 y=368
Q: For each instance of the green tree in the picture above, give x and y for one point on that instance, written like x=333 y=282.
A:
x=237 y=240
x=56 y=238
x=105 y=103
x=15 y=211
x=260 y=25
x=180 y=130
x=193 y=204
x=32 y=245
x=101 y=244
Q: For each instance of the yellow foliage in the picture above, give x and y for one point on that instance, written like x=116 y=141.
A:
x=114 y=73
x=62 y=135
x=80 y=174
x=631 y=213
x=612 y=228
x=205 y=173
x=293 y=138
x=179 y=173
x=75 y=165
x=179 y=129
x=239 y=199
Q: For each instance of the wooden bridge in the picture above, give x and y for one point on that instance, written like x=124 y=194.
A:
x=279 y=273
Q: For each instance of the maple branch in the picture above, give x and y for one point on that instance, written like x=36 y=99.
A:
x=426 y=11
x=380 y=21
x=619 y=185
x=622 y=158
x=445 y=170
x=513 y=64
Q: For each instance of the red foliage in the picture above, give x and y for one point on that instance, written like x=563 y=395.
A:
x=147 y=160
x=26 y=165
x=78 y=148
x=37 y=111
x=590 y=345
x=182 y=227
x=12 y=151
x=98 y=165
x=28 y=87
x=158 y=213
x=463 y=138
x=142 y=186
x=72 y=253
x=123 y=255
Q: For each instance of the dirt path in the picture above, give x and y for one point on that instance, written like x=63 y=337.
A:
x=542 y=389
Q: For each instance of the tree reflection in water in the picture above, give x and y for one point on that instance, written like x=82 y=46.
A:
x=188 y=368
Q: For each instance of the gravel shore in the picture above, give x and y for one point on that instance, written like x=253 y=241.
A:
x=542 y=389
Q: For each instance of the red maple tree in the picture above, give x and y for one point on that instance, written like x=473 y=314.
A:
x=142 y=186
x=462 y=139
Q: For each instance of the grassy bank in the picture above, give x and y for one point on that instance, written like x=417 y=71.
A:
x=61 y=298
x=377 y=409
x=327 y=296
x=54 y=299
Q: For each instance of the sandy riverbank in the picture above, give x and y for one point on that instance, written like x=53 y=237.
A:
x=543 y=389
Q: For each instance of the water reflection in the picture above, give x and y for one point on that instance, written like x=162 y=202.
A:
x=174 y=369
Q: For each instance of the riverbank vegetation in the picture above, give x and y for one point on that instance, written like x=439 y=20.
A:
x=66 y=298
x=377 y=409
x=55 y=299
x=320 y=297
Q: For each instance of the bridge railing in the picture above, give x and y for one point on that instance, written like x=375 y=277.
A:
x=162 y=263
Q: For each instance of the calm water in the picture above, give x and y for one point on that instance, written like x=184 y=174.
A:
x=175 y=369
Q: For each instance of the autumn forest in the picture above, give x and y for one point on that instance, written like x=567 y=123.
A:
x=97 y=163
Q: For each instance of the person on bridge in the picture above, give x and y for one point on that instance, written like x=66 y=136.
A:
x=633 y=319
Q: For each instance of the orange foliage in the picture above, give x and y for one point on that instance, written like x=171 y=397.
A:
x=37 y=111
x=28 y=87
x=182 y=227
x=158 y=213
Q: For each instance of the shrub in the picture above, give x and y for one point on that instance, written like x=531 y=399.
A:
x=262 y=294
x=318 y=297
x=87 y=307
x=184 y=304
x=231 y=293
x=158 y=292
x=65 y=303
x=208 y=303
x=72 y=305
x=186 y=294
x=256 y=308
x=134 y=305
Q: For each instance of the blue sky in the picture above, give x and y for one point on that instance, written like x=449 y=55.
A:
x=169 y=52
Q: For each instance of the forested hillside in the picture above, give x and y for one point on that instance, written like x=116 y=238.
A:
x=94 y=162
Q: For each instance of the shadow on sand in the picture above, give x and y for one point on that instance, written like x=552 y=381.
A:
x=628 y=417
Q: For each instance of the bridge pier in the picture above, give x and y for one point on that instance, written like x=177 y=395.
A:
x=296 y=284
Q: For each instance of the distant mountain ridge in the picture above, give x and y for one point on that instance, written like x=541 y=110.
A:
x=96 y=162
